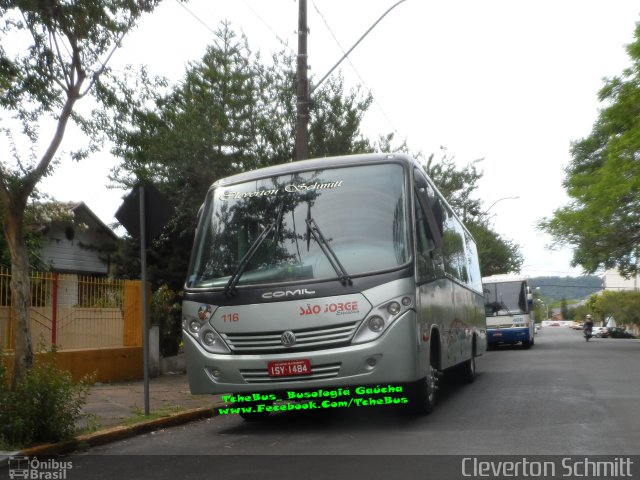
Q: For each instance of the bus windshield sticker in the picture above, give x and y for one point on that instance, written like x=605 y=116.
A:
x=291 y=188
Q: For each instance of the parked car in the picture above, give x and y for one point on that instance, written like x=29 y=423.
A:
x=617 y=332
x=600 y=332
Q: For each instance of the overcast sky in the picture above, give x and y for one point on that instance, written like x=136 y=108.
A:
x=511 y=82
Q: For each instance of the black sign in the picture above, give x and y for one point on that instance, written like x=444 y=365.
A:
x=158 y=211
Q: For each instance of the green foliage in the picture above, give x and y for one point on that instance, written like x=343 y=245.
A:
x=564 y=308
x=497 y=254
x=165 y=311
x=624 y=306
x=43 y=407
x=602 y=221
x=232 y=112
x=52 y=54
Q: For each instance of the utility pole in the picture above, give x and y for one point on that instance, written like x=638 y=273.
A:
x=302 y=109
x=303 y=92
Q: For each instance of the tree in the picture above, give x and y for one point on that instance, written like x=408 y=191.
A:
x=231 y=112
x=602 y=221
x=497 y=254
x=623 y=306
x=41 y=79
x=564 y=309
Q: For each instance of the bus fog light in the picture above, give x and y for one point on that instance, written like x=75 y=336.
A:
x=194 y=326
x=372 y=361
x=376 y=324
x=393 y=308
x=406 y=301
x=209 y=338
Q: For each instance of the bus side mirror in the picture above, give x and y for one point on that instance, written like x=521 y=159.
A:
x=433 y=213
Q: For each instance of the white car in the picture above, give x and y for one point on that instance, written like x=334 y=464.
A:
x=599 y=332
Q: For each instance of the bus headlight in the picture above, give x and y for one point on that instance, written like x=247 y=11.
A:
x=205 y=335
x=393 y=308
x=381 y=317
x=209 y=338
x=376 y=324
x=194 y=326
x=212 y=342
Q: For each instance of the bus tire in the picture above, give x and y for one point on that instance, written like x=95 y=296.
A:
x=526 y=344
x=423 y=393
x=467 y=370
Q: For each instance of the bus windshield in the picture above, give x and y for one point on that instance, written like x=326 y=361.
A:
x=507 y=298
x=302 y=226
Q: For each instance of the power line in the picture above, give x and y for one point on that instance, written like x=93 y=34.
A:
x=268 y=26
x=356 y=70
x=198 y=19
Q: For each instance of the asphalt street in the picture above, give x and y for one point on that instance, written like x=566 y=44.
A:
x=563 y=396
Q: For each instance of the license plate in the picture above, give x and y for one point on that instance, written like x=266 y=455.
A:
x=289 y=368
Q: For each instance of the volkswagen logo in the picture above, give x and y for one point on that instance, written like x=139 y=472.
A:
x=288 y=338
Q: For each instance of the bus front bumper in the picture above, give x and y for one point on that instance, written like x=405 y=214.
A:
x=391 y=359
x=507 y=335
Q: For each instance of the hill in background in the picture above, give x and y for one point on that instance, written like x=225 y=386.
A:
x=571 y=288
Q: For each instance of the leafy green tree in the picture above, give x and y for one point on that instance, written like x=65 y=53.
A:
x=602 y=221
x=624 y=306
x=564 y=309
x=458 y=185
x=52 y=54
x=231 y=113
x=497 y=254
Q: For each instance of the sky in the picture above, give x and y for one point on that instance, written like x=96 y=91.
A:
x=511 y=82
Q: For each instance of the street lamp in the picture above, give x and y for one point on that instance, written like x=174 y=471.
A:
x=499 y=200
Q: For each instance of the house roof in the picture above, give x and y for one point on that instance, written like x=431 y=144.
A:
x=69 y=211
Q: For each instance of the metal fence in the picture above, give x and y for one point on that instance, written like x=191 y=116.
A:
x=71 y=311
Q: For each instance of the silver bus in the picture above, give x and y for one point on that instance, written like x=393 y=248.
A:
x=330 y=273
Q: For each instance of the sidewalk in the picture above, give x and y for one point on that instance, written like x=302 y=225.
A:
x=116 y=411
x=112 y=404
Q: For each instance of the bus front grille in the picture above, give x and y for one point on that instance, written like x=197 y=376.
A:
x=318 y=372
x=305 y=339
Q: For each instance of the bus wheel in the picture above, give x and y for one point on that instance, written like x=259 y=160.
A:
x=526 y=344
x=423 y=393
x=467 y=370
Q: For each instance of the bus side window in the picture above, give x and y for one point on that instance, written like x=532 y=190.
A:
x=428 y=258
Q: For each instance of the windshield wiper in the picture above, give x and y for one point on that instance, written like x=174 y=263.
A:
x=229 y=289
x=316 y=233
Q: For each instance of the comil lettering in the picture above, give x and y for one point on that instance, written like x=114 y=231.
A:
x=287 y=293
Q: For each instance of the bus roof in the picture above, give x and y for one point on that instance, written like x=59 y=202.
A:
x=502 y=278
x=314 y=164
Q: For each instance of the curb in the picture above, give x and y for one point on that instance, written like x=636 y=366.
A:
x=119 y=432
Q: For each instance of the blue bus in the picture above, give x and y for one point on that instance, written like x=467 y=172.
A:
x=509 y=310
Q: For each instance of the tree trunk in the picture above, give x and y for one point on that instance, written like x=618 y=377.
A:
x=20 y=293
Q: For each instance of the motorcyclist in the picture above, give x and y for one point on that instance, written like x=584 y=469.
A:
x=588 y=325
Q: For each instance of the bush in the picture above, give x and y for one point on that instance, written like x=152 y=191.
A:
x=166 y=312
x=43 y=407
